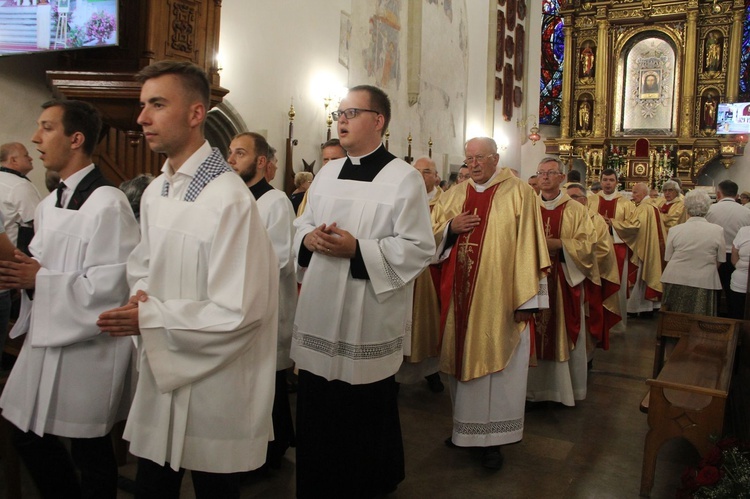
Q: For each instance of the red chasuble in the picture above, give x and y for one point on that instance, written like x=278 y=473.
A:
x=546 y=320
x=463 y=264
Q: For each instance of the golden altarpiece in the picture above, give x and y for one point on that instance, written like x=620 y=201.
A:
x=642 y=81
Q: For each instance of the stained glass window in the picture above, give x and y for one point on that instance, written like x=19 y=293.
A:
x=745 y=56
x=550 y=82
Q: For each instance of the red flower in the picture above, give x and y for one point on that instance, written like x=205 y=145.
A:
x=708 y=476
x=713 y=458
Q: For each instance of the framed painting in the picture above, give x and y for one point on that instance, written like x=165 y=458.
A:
x=518 y=63
x=521 y=10
x=517 y=96
x=498 y=88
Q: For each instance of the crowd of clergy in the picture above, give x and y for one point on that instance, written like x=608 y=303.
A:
x=182 y=309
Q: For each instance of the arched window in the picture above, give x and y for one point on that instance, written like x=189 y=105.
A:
x=550 y=82
x=745 y=56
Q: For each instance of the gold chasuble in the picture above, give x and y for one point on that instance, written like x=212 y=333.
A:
x=620 y=209
x=425 y=328
x=645 y=234
x=557 y=328
x=491 y=272
x=602 y=299
x=673 y=213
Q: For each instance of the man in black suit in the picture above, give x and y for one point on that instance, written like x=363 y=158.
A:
x=70 y=380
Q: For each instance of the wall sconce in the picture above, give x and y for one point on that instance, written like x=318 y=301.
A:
x=534 y=136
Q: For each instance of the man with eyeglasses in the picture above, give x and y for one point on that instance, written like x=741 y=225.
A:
x=644 y=233
x=560 y=330
x=463 y=174
x=612 y=205
x=362 y=240
x=423 y=362
x=604 y=305
x=495 y=256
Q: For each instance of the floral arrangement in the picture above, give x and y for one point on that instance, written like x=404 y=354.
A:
x=723 y=474
x=100 y=25
x=76 y=36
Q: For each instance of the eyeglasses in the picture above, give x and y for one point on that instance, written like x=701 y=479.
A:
x=479 y=159
x=547 y=174
x=461 y=176
x=350 y=113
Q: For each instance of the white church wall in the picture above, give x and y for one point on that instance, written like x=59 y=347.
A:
x=24 y=90
x=281 y=51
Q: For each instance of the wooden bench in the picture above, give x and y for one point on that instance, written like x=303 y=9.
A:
x=687 y=399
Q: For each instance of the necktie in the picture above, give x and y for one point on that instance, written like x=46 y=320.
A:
x=60 y=188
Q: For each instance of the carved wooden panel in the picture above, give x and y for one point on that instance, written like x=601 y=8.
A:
x=518 y=63
x=498 y=88
x=508 y=92
x=510 y=14
x=182 y=30
x=500 y=49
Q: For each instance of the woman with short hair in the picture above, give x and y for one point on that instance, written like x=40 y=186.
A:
x=693 y=251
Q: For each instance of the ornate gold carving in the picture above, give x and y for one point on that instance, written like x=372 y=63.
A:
x=585 y=22
x=729 y=149
x=626 y=14
x=664 y=10
x=183 y=28
x=703 y=155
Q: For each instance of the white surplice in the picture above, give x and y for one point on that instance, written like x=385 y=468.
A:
x=208 y=330
x=278 y=218
x=70 y=380
x=356 y=330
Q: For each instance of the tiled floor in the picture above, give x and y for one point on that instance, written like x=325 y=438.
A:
x=591 y=451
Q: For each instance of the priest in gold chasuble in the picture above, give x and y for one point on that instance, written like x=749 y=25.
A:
x=612 y=205
x=673 y=209
x=602 y=303
x=560 y=331
x=423 y=361
x=645 y=234
x=490 y=235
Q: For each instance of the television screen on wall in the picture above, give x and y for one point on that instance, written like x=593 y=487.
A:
x=28 y=26
x=733 y=118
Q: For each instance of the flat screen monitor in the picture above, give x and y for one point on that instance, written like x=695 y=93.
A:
x=733 y=118
x=28 y=26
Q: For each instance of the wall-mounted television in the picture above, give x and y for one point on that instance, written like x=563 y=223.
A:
x=733 y=118
x=28 y=26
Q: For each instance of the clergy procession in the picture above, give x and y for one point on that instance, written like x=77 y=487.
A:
x=187 y=322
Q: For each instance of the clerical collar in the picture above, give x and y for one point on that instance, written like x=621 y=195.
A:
x=610 y=197
x=366 y=167
x=483 y=187
x=356 y=160
x=260 y=188
x=550 y=203
x=14 y=172
x=431 y=195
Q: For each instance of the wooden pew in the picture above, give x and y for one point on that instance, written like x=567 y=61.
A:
x=688 y=397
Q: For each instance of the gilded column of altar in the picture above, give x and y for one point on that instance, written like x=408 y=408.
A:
x=569 y=67
x=735 y=49
x=602 y=69
x=689 y=71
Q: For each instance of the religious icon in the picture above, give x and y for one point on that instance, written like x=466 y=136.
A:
x=709 y=113
x=587 y=58
x=650 y=85
x=712 y=49
x=584 y=116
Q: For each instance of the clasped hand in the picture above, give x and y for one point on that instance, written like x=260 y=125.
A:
x=123 y=321
x=329 y=240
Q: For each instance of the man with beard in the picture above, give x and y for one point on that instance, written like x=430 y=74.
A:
x=248 y=157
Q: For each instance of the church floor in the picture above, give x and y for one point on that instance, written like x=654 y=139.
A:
x=593 y=450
